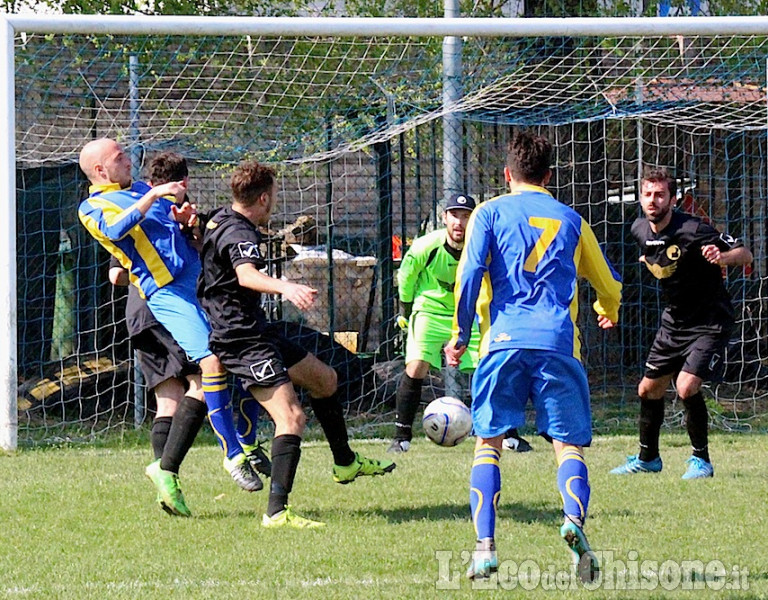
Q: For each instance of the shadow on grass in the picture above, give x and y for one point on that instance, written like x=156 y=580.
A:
x=517 y=511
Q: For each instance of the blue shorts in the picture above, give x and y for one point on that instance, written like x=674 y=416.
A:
x=176 y=307
x=555 y=383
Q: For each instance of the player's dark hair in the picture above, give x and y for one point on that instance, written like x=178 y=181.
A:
x=168 y=166
x=659 y=174
x=250 y=180
x=528 y=156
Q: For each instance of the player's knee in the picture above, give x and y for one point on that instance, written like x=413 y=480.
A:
x=326 y=385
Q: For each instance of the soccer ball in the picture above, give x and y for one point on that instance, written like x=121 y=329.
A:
x=447 y=421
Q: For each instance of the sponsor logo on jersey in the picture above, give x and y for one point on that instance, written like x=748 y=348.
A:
x=673 y=252
x=655 y=242
x=248 y=250
x=651 y=367
x=502 y=337
x=660 y=272
x=212 y=225
x=263 y=370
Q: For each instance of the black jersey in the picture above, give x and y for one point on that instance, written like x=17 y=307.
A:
x=229 y=240
x=692 y=287
x=138 y=317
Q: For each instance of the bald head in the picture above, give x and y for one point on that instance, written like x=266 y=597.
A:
x=104 y=161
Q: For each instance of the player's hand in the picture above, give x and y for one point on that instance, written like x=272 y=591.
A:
x=453 y=354
x=186 y=214
x=402 y=322
x=711 y=253
x=301 y=296
x=642 y=258
x=605 y=322
x=177 y=189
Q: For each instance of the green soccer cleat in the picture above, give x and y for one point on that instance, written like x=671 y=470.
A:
x=361 y=466
x=169 y=494
x=287 y=518
x=484 y=560
x=258 y=458
x=240 y=469
x=584 y=559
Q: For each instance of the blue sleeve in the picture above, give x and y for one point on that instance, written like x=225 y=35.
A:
x=469 y=275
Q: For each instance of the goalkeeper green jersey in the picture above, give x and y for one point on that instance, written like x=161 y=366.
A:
x=427 y=274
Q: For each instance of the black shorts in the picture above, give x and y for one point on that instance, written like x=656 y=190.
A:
x=699 y=350
x=262 y=360
x=160 y=357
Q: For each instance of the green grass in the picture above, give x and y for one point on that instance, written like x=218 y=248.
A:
x=81 y=523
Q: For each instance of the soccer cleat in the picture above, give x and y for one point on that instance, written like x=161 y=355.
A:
x=240 y=470
x=516 y=444
x=287 y=518
x=698 y=468
x=399 y=446
x=635 y=465
x=169 y=494
x=484 y=560
x=584 y=559
x=258 y=458
x=361 y=466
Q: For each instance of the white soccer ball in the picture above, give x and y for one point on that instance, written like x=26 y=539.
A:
x=447 y=421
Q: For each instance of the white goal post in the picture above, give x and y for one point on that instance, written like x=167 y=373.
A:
x=13 y=25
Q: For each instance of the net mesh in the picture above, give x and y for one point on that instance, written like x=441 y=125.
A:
x=356 y=127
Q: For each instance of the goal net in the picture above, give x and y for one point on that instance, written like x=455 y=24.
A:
x=367 y=147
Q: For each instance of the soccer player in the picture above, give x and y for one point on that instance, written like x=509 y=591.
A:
x=141 y=227
x=523 y=254
x=687 y=256
x=425 y=285
x=170 y=166
x=267 y=363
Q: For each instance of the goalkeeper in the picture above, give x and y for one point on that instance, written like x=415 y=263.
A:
x=425 y=282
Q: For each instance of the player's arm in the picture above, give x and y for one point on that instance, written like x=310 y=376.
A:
x=737 y=256
x=248 y=276
x=593 y=265
x=469 y=275
x=105 y=218
x=720 y=248
x=408 y=274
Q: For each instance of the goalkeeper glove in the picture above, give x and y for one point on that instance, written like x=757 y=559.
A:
x=402 y=322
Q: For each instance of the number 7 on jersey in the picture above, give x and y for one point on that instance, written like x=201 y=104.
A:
x=550 y=228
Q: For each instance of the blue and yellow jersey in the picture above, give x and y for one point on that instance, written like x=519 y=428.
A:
x=522 y=256
x=150 y=246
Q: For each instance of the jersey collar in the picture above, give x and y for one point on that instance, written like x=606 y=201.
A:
x=527 y=187
x=102 y=188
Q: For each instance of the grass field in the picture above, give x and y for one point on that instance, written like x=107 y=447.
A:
x=81 y=523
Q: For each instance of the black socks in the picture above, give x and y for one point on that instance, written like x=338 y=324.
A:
x=187 y=421
x=650 y=421
x=407 y=400
x=330 y=414
x=286 y=451
x=158 y=435
x=697 y=422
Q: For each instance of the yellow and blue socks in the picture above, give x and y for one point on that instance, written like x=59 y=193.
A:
x=573 y=483
x=220 y=412
x=484 y=490
x=247 y=420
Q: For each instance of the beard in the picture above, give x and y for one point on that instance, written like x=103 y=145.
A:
x=659 y=216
